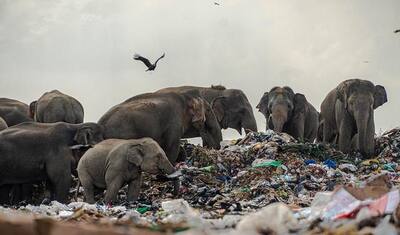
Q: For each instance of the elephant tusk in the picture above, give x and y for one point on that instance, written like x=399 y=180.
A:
x=78 y=146
x=174 y=175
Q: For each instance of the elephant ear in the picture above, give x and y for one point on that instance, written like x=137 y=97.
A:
x=32 y=109
x=380 y=96
x=262 y=106
x=217 y=106
x=83 y=135
x=135 y=155
x=341 y=93
x=197 y=110
x=300 y=103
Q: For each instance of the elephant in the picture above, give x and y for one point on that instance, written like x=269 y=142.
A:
x=230 y=106
x=3 y=124
x=289 y=112
x=348 y=110
x=54 y=106
x=14 y=112
x=113 y=163
x=211 y=123
x=32 y=152
x=164 y=117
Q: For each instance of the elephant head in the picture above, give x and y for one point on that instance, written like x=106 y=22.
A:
x=88 y=134
x=233 y=110
x=360 y=98
x=280 y=105
x=203 y=119
x=148 y=156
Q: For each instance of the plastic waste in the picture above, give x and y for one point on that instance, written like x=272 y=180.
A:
x=266 y=163
x=180 y=211
x=143 y=209
x=277 y=218
x=330 y=163
x=348 y=166
x=310 y=161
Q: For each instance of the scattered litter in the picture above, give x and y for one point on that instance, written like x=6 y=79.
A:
x=263 y=183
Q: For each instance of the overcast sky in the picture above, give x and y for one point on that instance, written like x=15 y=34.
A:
x=84 y=48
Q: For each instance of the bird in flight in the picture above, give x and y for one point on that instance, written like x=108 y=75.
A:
x=216 y=3
x=397 y=31
x=150 y=66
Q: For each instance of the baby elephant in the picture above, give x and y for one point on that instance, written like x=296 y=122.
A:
x=115 y=162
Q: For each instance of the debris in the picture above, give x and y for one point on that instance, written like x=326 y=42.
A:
x=276 y=218
x=313 y=187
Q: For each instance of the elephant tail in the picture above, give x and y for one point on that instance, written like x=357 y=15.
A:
x=320 y=130
x=77 y=190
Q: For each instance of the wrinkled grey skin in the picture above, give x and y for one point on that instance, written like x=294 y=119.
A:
x=231 y=106
x=164 y=117
x=3 y=124
x=289 y=112
x=211 y=125
x=114 y=163
x=349 y=110
x=32 y=152
x=14 y=111
x=55 y=106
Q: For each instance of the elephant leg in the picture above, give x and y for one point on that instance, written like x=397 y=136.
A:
x=16 y=193
x=88 y=188
x=345 y=132
x=26 y=192
x=113 y=186
x=21 y=192
x=172 y=151
x=176 y=184
x=134 y=189
x=298 y=128
x=60 y=182
x=181 y=155
x=5 y=194
x=354 y=142
x=328 y=133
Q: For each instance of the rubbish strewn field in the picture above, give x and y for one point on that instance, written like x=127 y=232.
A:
x=265 y=183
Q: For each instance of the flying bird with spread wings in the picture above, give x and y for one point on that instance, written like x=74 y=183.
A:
x=150 y=66
x=216 y=3
x=397 y=31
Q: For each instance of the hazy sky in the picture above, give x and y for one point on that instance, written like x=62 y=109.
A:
x=84 y=48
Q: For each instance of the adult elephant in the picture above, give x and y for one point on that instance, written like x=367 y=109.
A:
x=231 y=106
x=289 y=112
x=164 y=117
x=348 y=110
x=14 y=112
x=54 y=106
x=211 y=124
x=32 y=152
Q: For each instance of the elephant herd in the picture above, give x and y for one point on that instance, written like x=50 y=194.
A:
x=48 y=141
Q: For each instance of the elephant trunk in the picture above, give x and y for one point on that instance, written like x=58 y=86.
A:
x=279 y=117
x=366 y=130
x=211 y=140
x=249 y=123
x=166 y=167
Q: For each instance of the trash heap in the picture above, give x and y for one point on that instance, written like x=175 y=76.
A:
x=264 y=183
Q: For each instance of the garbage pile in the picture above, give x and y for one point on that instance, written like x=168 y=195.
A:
x=264 y=183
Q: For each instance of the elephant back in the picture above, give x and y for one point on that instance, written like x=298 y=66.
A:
x=55 y=106
x=14 y=112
